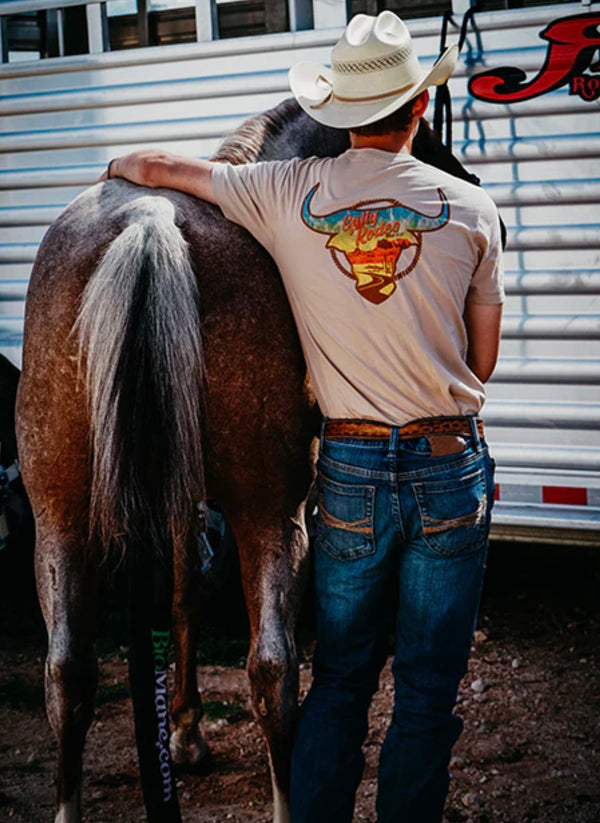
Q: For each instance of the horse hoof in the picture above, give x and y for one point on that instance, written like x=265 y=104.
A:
x=190 y=753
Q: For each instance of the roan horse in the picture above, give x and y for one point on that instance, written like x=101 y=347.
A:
x=162 y=365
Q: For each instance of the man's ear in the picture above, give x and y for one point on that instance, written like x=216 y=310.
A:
x=421 y=103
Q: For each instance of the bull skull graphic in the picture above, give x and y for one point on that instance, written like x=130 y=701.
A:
x=372 y=237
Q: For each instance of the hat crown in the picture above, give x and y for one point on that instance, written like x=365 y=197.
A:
x=376 y=44
x=384 y=31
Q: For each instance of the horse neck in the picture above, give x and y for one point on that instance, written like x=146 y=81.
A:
x=280 y=134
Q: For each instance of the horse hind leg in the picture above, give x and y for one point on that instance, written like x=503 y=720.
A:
x=67 y=587
x=188 y=747
x=273 y=562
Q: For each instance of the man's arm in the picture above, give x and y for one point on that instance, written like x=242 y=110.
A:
x=483 y=334
x=157 y=169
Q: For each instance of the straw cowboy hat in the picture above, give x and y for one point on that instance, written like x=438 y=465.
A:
x=374 y=70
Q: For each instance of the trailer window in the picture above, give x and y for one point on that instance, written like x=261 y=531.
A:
x=49 y=33
x=163 y=22
x=495 y=5
x=127 y=24
x=403 y=8
x=131 y=24
x=434 y=8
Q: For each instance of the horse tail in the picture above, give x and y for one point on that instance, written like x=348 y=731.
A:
x=141 y=348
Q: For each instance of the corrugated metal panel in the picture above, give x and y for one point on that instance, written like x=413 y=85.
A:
x=63 y=119
x=539 y=162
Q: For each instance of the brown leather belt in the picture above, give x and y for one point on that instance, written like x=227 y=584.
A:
x=371 y=430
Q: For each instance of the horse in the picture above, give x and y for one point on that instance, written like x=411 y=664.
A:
x=161 y=367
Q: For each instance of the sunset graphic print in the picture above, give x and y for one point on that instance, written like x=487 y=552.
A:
x=370 y=236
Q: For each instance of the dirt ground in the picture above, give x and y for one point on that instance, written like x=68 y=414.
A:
x=531 y=704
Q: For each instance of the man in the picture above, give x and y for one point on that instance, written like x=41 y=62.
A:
x=393 y=271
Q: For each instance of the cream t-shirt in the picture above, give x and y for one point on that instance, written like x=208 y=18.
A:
x=378 y=253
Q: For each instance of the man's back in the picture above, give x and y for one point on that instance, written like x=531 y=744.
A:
x=379 y=254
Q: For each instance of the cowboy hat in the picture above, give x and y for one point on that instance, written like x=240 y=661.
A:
x=374 y=70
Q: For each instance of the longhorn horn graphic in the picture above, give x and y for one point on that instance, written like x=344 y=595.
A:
x=345 y=219
x=327 y=223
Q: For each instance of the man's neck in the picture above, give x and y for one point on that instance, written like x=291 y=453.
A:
x=392 y=141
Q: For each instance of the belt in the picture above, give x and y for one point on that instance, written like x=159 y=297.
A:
x=371 y=430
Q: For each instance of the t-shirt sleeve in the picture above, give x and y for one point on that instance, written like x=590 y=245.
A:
x=252 y=195
x=487 y=282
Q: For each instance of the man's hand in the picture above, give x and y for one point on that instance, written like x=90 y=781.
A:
x=159 y=169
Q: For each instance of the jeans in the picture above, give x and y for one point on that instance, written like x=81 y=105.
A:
x=397 y=530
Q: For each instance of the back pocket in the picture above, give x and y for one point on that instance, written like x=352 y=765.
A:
x=345 y=519
x=454 y=513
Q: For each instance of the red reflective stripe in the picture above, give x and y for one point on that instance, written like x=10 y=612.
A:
x=565 y=495
x=558 y=495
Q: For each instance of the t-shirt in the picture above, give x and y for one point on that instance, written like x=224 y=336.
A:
x=378 y=253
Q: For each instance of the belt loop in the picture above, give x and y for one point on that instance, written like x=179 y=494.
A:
x=474 y=431
x=394 y=440
x=322 y=435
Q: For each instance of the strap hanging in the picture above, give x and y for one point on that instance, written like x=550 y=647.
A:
x=467 y=19
x=443 y=103
x=442 y=106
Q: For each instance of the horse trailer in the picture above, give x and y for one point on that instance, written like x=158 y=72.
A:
x=82 y=82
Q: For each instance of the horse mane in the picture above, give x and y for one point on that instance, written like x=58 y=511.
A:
x=247 y=143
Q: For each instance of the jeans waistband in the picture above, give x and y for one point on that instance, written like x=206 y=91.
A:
x=467 y=425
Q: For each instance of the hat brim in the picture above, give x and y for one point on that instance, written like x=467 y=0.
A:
x=311 y=82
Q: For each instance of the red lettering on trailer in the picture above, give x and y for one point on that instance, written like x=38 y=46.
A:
x=572 y=44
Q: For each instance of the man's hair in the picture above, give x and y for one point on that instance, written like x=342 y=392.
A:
x=398 y=120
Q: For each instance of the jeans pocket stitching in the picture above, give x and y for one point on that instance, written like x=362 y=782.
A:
x=474 y=518
x=434 y=529
x=362 y=526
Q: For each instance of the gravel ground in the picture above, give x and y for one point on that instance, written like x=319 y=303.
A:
x=531 y=700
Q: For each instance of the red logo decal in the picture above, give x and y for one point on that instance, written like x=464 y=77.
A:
x=572 y=43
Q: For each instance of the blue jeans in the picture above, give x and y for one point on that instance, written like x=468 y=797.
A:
x=397 y=530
